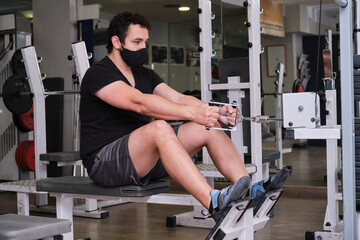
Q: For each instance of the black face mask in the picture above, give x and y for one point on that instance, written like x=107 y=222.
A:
x=134 y=58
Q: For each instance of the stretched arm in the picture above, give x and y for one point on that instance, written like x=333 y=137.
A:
x=227 y=113
x=121 y=95
x=167 y=92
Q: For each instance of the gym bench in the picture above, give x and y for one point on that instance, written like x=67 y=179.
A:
x=62 y=158
x=65 y=189
x=19 y=227
x=240 y=220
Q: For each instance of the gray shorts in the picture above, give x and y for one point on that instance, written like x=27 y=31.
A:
x=113 y=166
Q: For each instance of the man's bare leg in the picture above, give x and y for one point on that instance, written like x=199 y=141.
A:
x=158 y=140
x=221 y=149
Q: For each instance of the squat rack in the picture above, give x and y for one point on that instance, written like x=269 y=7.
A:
x=206 y=52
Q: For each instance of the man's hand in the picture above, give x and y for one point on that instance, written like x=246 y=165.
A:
x=207 y=115
x=227 y=115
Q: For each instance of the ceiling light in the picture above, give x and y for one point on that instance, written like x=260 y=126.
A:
x=184 y=9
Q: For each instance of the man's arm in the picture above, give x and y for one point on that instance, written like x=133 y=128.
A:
x=169 y=93
x=227 y=113
x=121 y=95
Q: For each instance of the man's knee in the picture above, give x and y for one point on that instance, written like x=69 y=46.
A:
x=162 y=129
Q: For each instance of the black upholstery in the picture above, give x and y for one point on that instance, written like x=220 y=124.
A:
x=84 y=185
x=19 y=227
x=60 y=156
x=267 y=156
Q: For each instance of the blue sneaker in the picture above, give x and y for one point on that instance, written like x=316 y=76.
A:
x=258 y=190
x=220 y=200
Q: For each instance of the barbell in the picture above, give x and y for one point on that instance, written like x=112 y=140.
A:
x=18 y=97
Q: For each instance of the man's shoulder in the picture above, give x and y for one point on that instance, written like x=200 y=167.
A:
x=143 y=71
x=103 y=63
x=100 y=67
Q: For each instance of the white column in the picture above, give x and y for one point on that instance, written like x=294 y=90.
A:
x=255 y=90
x=205 y=57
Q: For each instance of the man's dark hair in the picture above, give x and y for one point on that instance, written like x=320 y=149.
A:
x=119 y=26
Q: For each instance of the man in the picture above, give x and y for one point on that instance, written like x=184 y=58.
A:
x=119 y=143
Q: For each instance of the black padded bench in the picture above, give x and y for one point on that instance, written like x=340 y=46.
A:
x=85 y=186
x=267 y=156
x=65 y=189
x=19 y=227
x=62 y=158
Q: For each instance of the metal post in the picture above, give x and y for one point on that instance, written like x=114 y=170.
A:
x=255 y=91
x=81 y=58
x=347 y=118
x=357 y=26
x=23 y=203
x=37 y=88
x=82 y=64
x=64 y=210
x=205 y=49
x=331 y=221
x=278 y=124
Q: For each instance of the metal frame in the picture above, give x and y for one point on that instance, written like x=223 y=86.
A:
x=205 y=41
x=255 y=89
x=242 y=228
x=332 y=220
x=334 y=228
x=278 y=125
x=235 y=93
x=234 y=86
x=279 y=163
x=254 y=82
x=37 y=88
x=347 y=117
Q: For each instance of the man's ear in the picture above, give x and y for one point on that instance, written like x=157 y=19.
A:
x=116 y=42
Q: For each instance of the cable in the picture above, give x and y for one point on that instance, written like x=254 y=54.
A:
x=318 y=50
x=318 y=60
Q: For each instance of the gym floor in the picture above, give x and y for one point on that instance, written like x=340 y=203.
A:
x=301 y=208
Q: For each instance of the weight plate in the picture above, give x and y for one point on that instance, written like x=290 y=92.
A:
x=17 y=123
x=23 y=156
x=19 y=154
x=27 y=120
x=16 y=95
x=29 y=159
x=17 y=64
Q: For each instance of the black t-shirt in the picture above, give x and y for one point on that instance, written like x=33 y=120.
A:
x=102 y=123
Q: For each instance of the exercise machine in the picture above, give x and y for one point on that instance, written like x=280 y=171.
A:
x=334 y=227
